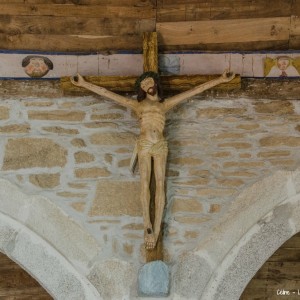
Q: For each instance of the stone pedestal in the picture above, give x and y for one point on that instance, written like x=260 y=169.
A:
x=153 y=280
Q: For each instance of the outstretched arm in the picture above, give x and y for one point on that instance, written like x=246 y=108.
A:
x=173 y=101
x=79 y=81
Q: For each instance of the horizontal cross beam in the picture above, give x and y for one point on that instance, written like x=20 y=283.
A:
x=126 y=83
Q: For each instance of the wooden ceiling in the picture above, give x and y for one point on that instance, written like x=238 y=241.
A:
x=87 y=26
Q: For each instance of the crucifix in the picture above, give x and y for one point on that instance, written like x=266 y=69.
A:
x=151 y=148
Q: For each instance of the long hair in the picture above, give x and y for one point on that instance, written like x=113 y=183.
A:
x=141 y=94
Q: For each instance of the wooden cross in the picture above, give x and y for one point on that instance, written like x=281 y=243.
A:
x=150 y=55
x=126 y=84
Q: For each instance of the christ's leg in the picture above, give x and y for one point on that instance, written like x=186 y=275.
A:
x=145 y=173
x=159 y=171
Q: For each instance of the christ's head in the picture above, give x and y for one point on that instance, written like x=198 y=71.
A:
x=148 y=83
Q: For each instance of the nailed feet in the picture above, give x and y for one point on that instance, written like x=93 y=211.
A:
x=150 y=240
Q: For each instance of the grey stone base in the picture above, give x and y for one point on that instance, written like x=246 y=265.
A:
x=153 y=280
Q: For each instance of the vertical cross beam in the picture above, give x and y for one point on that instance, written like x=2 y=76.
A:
x=150 y=55
x=150 y=52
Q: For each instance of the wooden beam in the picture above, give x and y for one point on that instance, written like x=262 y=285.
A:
x=224 y=31
x=150 y=52
x=175 y=11
x=65 y=26
x=186 y=82
x=150 y=56
x=169 y=83
x=136 y=3
x=113 y=83
x=71 y=10
x=69 y=43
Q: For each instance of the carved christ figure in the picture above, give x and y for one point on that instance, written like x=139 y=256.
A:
x=151 y=109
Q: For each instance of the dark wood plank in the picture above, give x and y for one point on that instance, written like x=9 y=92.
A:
x=91 y=11
x=28 y=88
x=281 y=271
x=15 y=283
x=295 y=10
x=12 y=25
x=292 y=243
x=69 y=43
x=218 y=10
x=224 y=31
x=246 y=46
x=294 y=42
x=286 y=254
x=259 y=290
x=136 y=3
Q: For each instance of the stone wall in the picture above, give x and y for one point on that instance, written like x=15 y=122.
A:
x=75 y=151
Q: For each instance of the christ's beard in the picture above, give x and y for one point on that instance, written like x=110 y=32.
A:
x=152 y=91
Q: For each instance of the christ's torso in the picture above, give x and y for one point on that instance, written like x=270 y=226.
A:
x=152 y=120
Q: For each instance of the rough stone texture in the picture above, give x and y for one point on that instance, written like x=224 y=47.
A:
x=45 y=180
x=113 y=279
x=186 y=205
x=219 y=112
x=241 y=165
x=257 y=212
x=111 y=116
x=7 y=234
x=78 y=143
x=61 y=231
x=112 y=139
x=270 y=154
x=247 y=126
x=246 y=262
x=4 y=113
x=273 y=141
x=275 y=107
x=33 y=152
x=198 y=170
x=191 y=220
x=71 y=195
x=116 y=198
x=189 y=276
x=186 y=161
x=91 y=173
x=79 y=206
x=61 y=115
x=214 y=208
x=82 y=157
x=43 y=262
x=235 y=145
x=38 y=103
x=15 y=128
x=60 y=130
x=296 y=179
x=153 y=279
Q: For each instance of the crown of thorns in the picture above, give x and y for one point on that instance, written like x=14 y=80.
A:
x=145 y=75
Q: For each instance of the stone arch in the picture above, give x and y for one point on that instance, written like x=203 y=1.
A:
x=56 y=252
x=258 y=222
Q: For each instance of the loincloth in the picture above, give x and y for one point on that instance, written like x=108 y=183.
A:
x=145 y=147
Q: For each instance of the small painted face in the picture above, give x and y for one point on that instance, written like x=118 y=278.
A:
x=283 y=63
x=36 y=68
x=148 y=85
